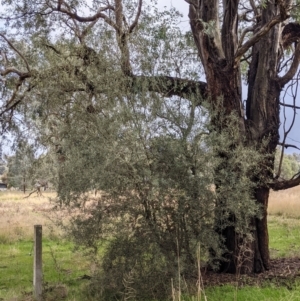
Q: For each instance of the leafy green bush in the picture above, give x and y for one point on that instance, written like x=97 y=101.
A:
x=158 y=200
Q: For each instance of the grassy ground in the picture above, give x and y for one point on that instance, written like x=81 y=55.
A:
x=63 y=267
x=284 y=236
x=268 y=293
x=284 y=223
x=60 y=266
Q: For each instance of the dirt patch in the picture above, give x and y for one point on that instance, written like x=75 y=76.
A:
x=282 y=271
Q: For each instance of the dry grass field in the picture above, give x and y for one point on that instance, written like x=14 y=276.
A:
x=285 y=203
x=19 y=215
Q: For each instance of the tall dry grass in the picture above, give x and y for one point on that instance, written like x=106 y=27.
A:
x=18 y=215
x=285 y=203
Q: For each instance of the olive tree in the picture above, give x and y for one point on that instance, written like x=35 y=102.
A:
x=156 y=203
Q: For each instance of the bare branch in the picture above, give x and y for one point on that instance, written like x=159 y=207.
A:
x=59 y=3
x=16 y=50
x=21 y=74
x=288 y=145
x=13 y=105
x=98 y=15
x=192 y=2
x=256 y=37
x=252 y=3
x=135 y=22
x=53 y=48
x=243 y=34
x=293 y=69
x=282 y=185
x=290 y=106
x=294 y=89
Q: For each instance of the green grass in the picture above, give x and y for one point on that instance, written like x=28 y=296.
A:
x=268 y=293
x=60 y=265
x=290 y=291
x=284 y=235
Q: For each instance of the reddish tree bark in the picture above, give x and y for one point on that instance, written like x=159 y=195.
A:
x=220 y=52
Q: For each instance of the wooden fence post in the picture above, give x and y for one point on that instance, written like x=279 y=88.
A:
x=37 y=263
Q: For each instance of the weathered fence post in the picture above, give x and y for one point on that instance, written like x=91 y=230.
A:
x=37 y=263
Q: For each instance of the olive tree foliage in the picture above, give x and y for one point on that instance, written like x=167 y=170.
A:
x=157 y=201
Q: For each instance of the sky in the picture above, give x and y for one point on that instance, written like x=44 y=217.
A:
x=181 y=6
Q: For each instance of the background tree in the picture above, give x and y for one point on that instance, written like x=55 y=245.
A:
x=258 y=37
x=288 y=167
x=2 y=163
x=20 y=167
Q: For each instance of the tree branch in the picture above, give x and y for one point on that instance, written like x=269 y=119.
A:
x=16 y=50
x=53 y=48
x=135 y=22
x=288 y=145
x=119 y=16
x=192 y=2
x=88 y=29
x=290 y=34
x=293 y=69
x=21 y=74
x=173 y=86
x=294 y=89
x=254 y=8
x=98 y=15
x=282 y=185
x=243 y=34
x=256 y=37
x=12 y=104
x=290 y=106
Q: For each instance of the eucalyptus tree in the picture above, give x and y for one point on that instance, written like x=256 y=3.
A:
x=289 y=165
x=71 y=58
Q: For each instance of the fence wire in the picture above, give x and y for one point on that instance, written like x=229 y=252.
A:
x=61 y=263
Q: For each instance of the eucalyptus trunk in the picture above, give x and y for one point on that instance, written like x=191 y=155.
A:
x=220 y=53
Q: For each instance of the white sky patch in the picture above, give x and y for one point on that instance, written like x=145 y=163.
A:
x=181 y=6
